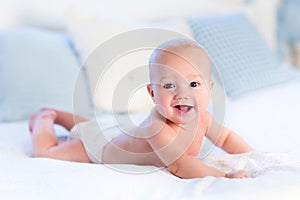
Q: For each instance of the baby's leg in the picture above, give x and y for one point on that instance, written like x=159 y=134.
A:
x=45 y=143
x=68 y=120
x=65 y=119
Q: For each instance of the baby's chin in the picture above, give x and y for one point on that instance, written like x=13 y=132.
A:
x=185 y=120
x=190 y=117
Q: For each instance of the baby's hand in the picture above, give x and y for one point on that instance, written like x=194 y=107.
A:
x=238 y=174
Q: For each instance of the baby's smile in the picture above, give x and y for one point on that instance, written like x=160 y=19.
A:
x=183 y=109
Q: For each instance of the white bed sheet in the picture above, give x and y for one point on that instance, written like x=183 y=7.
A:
x=268 y=119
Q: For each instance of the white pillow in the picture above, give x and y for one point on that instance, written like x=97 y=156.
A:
x=89 y=30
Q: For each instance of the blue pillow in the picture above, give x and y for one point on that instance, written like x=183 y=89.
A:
x=37 y=69
x=242 y=59
x=287 y=30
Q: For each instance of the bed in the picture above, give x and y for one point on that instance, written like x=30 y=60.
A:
x=46 y=67
x=275 y=165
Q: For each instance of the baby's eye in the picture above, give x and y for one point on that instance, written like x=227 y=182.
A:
x=194 y=84
x=169 y=85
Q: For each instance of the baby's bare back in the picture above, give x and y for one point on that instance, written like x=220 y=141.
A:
x=126 y=149
x=134 y=147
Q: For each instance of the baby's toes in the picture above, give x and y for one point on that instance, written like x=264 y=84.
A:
x=31 y=120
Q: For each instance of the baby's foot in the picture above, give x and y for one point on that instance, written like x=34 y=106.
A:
x=43 y=113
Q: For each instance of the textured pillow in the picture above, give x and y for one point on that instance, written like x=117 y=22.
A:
x=37 y=68
x=240 y=55
x=288 y=30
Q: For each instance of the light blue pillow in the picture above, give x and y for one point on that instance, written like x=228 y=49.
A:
x=37 y=69
x=288 y=31
x=240 y=55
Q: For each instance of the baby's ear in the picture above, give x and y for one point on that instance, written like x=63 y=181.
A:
x=211 y=85
x=150 y=91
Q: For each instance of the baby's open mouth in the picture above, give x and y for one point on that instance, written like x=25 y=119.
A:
x=183 y=108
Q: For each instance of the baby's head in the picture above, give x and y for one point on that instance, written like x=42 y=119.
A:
x=180 y=79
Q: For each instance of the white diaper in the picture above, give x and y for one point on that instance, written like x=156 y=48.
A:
x=94 y=138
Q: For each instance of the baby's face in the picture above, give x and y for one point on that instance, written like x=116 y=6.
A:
x=180 y=88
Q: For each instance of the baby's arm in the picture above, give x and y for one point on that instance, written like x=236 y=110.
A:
x=171 y=149
x=226 y=139
x=190 y=167
x=232 y=143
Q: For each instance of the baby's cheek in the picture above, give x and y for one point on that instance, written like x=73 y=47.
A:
x=203 y=102
x=161 y=110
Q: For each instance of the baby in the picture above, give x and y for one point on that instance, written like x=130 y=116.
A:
x=172 y=134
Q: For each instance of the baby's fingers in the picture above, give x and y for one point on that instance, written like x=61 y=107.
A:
x=242 y=174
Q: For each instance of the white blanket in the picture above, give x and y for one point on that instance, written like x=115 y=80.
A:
x=275 y=166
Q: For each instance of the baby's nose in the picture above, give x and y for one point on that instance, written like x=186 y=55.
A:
x=181 y=97
x=182 y=94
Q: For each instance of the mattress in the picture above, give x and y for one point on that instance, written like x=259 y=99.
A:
x=268 y=119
